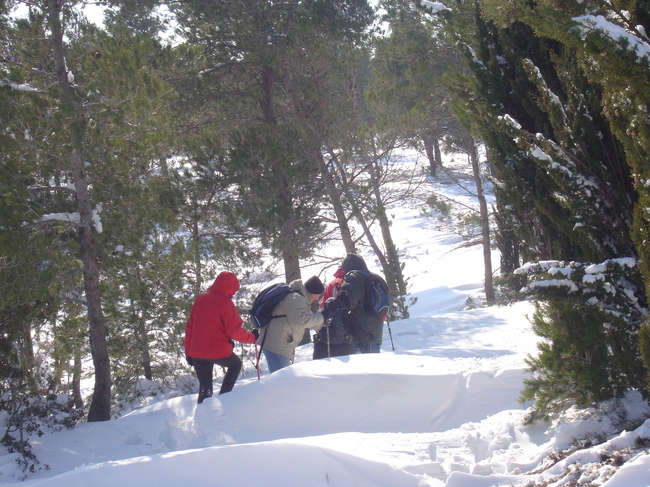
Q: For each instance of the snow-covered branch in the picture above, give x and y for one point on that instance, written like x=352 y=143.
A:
x=588 y=24
x=16 y=86
x=433 y=7
x=75 y=219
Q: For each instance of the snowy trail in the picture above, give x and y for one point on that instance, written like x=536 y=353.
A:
x=421 y=409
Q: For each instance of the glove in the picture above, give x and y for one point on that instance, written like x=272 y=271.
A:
x=189 y=360
x=333 y=304
x=256 y=333
x=327 y=314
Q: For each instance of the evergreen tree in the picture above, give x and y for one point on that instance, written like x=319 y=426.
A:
x=585 y=321
x=562 y=183
x=543 y=128
x=607 y=40
x=250 y=55
x=406 y=89
x=105 y=126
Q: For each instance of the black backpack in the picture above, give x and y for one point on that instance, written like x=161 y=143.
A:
x=377 y=299
x=261 y=312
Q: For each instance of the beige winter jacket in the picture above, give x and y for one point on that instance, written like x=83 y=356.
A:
x=283 y=334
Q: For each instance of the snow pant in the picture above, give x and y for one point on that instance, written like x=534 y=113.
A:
x=276 y=361
x=203 y=368
x=335 y=350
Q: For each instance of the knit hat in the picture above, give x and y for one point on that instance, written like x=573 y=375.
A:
x=354 y=262
x=314 y=285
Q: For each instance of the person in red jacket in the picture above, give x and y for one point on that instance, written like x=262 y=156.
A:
x=213 y=325
x=332 y=289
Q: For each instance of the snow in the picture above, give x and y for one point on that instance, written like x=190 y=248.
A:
x=433 y=7
x=618 y=34
x=441 y=409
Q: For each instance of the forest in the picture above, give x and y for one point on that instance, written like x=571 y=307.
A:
x=143 y=153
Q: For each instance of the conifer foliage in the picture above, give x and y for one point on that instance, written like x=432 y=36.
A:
x=565 y=176
x=588 y=317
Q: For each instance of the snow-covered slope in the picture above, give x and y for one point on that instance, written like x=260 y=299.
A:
x=439 y=410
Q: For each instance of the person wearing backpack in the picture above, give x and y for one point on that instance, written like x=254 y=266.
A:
x=333 y=339
x=213 y=325
x=291 y=317
x=366 y=326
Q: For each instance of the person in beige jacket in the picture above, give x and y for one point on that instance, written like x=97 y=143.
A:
x=292 y=316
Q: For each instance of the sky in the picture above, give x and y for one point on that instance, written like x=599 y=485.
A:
x=441 y=409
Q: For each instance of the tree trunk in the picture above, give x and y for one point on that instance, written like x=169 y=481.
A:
x=27 y=359
x=146 y=355
x=288 y=245
x=389 y=261
x=432 y=150
x=485 y=222
x=316 y=139
x=76 y=381
x=290 y=257
x=198 y=266
x=437 y=154
x=141 y=327
x=428 y=149
x=100 y=407
x=392 y=268
x=335 y=199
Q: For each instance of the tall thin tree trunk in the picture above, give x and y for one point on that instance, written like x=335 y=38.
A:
x=196 y=254
x=76 y=380
x=144 y=349
x=389 y=261
x=143 y=338
x=337 y=204
x=316 y=138
x=288 y=245
x=437 y=155
x=100 y=407
x=432 y=150
x=393 y=269
x=290 y=253
x=485 y=222
x=428 y=150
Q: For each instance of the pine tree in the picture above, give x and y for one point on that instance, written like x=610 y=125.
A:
x=106 y=125
x=543 y=151
x=563 y=190
x=406 y=88
x=251 y=57
x=585 y=317
x=611 y=57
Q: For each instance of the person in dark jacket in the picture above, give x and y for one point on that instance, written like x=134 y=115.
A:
x=333 y=339
x=213 y=325
x=364 y=325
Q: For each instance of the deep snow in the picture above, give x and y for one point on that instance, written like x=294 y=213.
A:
x=440 y=410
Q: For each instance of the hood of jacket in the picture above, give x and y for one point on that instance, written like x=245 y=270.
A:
x=298 y=285
x=354 y=262
x=226 y=283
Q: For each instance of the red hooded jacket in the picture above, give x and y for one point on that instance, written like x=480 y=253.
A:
x=332 y=289
x=214 y=321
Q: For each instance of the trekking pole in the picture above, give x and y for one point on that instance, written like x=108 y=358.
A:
x=327 y=331
x=390 y=333
x=257 y=362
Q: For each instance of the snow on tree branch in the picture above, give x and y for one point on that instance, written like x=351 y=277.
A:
x=74 y=218
x=434 y=7
x=621 y=37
